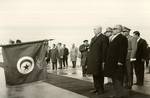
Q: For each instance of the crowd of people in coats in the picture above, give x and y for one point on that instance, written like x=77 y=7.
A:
x=59 y=53
x=114 y=54
x=117 y=55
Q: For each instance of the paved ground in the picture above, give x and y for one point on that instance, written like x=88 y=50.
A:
x=77 y=73
x=45 y=90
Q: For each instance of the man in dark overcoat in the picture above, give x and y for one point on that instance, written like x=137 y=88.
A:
x=96 y=59
x=116 y=58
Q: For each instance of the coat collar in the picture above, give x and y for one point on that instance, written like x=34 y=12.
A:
x=95 y=38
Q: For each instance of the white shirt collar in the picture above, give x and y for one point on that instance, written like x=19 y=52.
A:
x=98 y=34
x=138 y=39
x=114 y=36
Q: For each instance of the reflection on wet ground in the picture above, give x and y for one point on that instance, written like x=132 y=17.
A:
x=44 y=90
x=39 y=90
x=77 y=73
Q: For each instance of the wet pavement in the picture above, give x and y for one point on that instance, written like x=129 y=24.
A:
x=45 y=90
x=77 y=73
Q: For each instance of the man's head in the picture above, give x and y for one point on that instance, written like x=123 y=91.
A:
x=85 y=42
x=97 y=30
x=108 y=32
x=18 y=41
x=126 y=31
x=64 y=46
x=54 y=45
x=117 y=29
x=59 y=44
x=73 y=45
x=136 y=34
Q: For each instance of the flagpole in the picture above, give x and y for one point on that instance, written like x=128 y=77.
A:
x=31 y=42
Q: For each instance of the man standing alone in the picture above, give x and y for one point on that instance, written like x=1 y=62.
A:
x=96 y=59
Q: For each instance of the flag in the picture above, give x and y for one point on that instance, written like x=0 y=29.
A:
x=25 y=62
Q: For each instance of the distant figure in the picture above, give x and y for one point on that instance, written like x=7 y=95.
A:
x=141 y=55
x=60 y=55
x=65 y=57
x=84 y=52
x=54 y=56
x=18 y=41
x=73 y=55
x=11 y=42
x=96 y=59
x=48 y=55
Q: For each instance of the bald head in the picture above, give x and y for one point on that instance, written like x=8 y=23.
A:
x=97 y=30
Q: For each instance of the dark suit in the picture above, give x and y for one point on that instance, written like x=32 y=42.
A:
x=84 y=52
x=117 y=52
x=141 y=55
x=65 y=57
x=97 y=55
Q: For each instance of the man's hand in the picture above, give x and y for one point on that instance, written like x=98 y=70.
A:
x=143 y=60
x=120 y=64
x=103 y=64
x=133 y=59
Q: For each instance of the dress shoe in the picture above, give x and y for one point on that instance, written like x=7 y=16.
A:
x=139 y=84
x=99 y=92
x=84 y=75
x=135 y=84
x=93 y=91
x=115 y=97
x=110 y=97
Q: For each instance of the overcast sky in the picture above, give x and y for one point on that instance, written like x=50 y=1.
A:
x=69 y=21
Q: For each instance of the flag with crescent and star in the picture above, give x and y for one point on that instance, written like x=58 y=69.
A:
x=25 y=62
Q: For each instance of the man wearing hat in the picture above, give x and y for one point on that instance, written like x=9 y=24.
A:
x=84 y=51
x=132 y=46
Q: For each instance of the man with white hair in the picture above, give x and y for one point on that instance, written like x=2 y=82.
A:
x=96 y=59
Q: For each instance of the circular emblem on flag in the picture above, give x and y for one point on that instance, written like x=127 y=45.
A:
x=25 y=64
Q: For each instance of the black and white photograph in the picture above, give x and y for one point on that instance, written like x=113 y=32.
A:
x=74 y=49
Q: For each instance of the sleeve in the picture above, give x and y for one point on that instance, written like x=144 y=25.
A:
x=144 y=50
x=133 y=47
x=82 y=48
x=123 y=50
x=105 y=48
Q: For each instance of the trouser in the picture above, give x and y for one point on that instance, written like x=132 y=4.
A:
x=99 y=81
x=139 y=72
x=54 y=65
x=117 y=79
x=60 y=62
x=84 y=69
x=128 y=75
x=65 y=61
x=74 y=64
x=147 y=63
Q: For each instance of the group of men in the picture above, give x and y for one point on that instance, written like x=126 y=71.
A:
x=58 y=53
x=114 y=54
